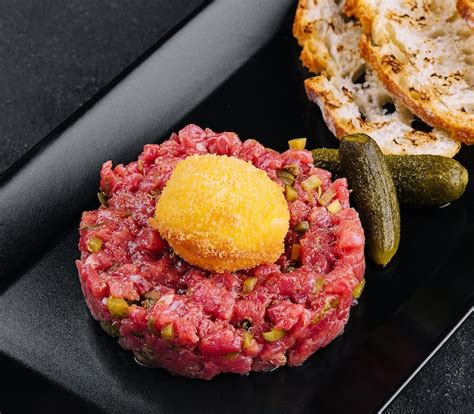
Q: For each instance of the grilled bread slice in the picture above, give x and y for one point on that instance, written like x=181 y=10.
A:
x=350 y=96
x=423 y=52
x=466 y=10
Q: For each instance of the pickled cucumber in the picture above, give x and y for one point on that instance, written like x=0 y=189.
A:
x=420 y=180
x=374 y=193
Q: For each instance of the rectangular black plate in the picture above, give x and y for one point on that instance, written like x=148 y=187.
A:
x=406 y=308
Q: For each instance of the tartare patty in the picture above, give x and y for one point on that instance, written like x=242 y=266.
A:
x=199 y=323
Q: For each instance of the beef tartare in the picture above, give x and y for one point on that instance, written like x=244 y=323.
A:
x=197 y=322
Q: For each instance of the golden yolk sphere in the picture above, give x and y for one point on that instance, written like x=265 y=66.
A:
x=222 y=214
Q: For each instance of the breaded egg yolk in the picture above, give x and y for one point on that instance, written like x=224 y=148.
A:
x=222 y=214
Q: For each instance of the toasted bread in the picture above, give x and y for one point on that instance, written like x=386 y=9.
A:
x=466 y=10
x=349 y=94
x=423 y=52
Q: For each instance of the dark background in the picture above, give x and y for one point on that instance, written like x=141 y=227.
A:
x=54 y=56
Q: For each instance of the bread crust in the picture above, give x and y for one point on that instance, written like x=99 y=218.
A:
x=398 y=68
x=359 y=10
x=331 y=50
x=460 y=128
x=314 y=53
x=327 y=103
x=406 y=141
x=466 y=10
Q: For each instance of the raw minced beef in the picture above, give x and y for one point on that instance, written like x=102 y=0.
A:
x=196 y=323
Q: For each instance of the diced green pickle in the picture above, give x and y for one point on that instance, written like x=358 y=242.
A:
x=326 y=197
x=110 y=328
x=311 y=183
x=335 y=207
x=167 y=331
x=246 y=324
x=297 y=143
x=273 y=335
x=249 y=284
x=358 y=289
x=94 y=244
x=118 y=307
x=247 y=339
x=290 y=193
x=287 y=177
x=302 y=227
x=331 y=304
x=293 y=169
x=151 y=326
x=102 y=198
x=318 y=285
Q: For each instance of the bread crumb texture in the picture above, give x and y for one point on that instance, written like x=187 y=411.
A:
x=423 y=52
x=350 y=95
x=222 y=214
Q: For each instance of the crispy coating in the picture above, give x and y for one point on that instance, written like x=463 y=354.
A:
x=222 y=214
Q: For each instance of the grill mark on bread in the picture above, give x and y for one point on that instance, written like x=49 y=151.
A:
x=344 y=87
x=443 y=47
x=392 y=61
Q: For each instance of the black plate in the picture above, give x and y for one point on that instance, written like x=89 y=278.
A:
x=406 y=308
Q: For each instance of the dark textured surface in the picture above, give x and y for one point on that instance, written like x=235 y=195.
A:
x=445 y=383
x=56 y=54
x=441 y=389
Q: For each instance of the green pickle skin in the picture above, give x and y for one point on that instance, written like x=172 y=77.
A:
x=374 y=193
x=420 y=180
